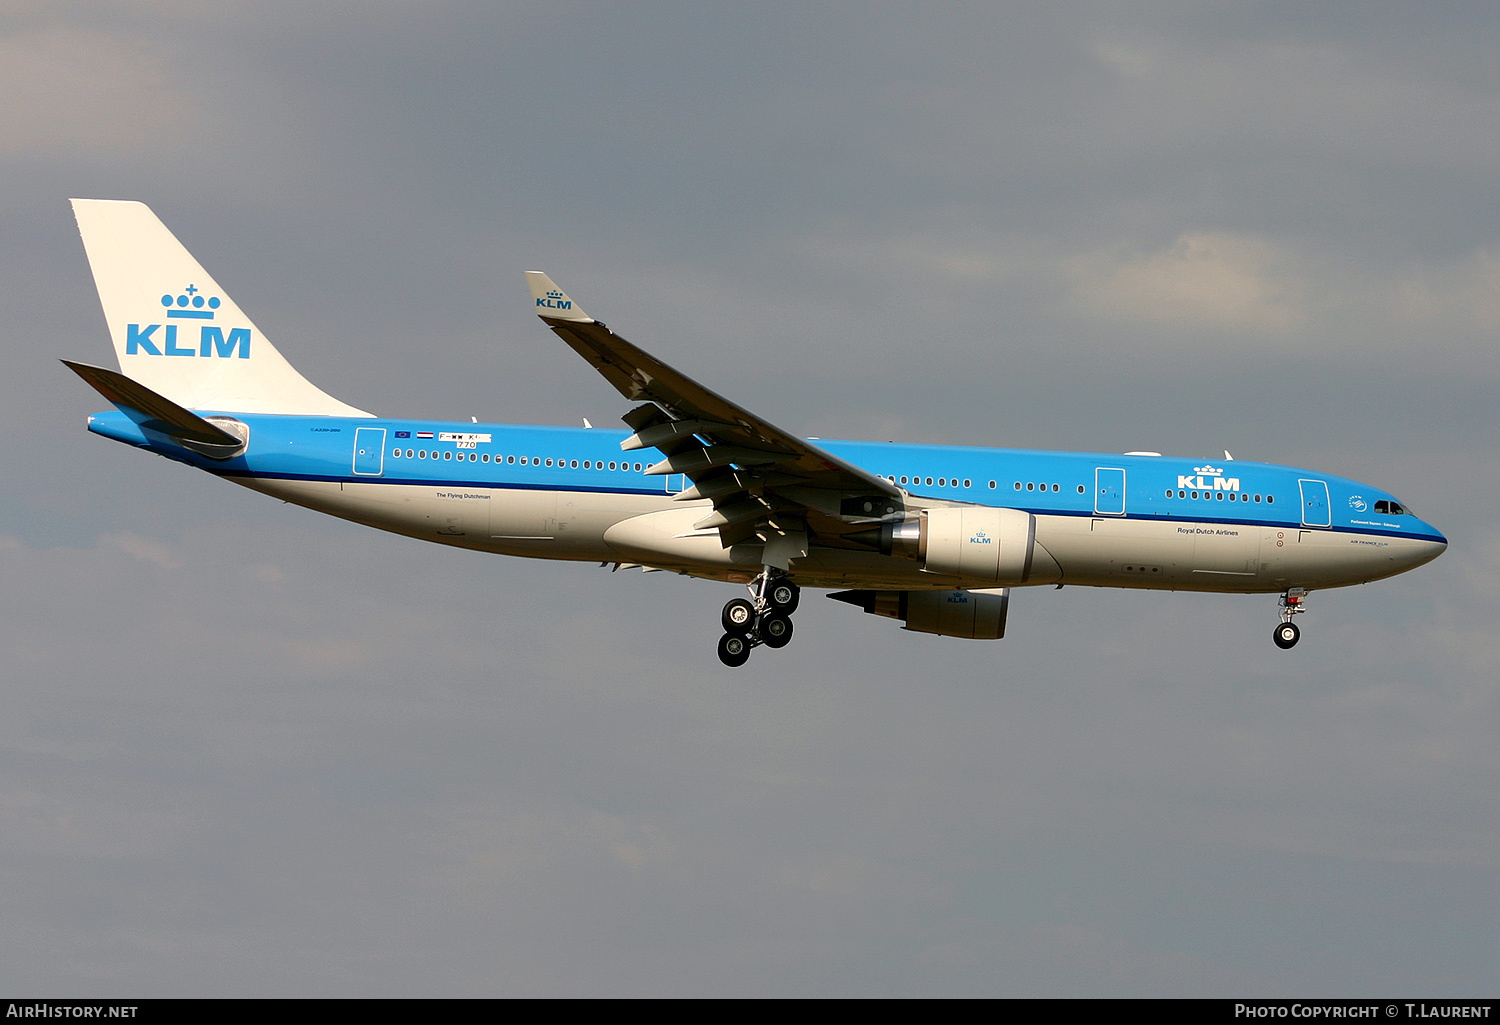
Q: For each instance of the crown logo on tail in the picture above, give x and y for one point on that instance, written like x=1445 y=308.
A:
x=190 y=305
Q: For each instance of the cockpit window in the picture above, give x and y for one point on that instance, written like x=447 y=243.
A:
x=1391 y=508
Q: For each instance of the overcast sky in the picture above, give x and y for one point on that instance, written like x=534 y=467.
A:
x=246 y=749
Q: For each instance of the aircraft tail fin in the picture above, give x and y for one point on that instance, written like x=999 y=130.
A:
x=175 y=331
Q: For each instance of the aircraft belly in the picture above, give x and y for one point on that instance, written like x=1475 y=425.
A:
x=1200 y=556
x=655 y=531
x=1335 y=558
x=540 y=524
x=1153 y=553
x=1112 y=552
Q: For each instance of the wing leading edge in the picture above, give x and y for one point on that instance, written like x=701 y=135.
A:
x=761 y=480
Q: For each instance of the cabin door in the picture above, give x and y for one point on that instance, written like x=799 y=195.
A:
x=1109 y=491
x=369 y=451
x=1315 y=511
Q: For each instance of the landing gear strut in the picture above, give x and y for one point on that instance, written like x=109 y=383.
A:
x=1287 y=634
x=763 y=618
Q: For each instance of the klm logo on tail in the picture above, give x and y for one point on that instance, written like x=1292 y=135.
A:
x=190 y=305
x=555 y=301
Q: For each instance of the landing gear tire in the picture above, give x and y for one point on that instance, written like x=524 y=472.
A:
x=734 y=649
x=739 y=615
x=1286 y=635
x=784 y=596
x=775 y=631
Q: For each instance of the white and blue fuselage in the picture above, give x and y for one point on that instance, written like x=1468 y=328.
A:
x=558 y=492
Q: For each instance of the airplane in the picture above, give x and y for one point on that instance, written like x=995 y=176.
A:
x=934 y=536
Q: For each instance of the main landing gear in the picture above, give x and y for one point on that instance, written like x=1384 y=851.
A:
x=763 y=618
x=1287 y=634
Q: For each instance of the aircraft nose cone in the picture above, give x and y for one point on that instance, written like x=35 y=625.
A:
x=1426 y=550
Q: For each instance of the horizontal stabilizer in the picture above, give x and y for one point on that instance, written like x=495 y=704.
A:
x=152 y=410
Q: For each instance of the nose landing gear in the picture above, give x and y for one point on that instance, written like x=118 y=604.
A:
x=1287 y=634
x=764 y=618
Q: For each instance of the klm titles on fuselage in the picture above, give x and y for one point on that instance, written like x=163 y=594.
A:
x=212 y=341
x=1209 y=478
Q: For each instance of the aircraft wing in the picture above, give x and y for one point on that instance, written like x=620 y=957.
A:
x=761 y=480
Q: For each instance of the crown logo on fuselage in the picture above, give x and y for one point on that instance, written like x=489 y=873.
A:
x=190 y=305
x=1209 y=478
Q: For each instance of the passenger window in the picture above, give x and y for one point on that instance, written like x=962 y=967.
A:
x=929 y=482
x=408 y=453
x=1270 y=499
x=1018 y=485
x=903 y=478
x=486 y=458
x=1057 y=487
x=992 y=485
x=1030 y=486
x=637 y=467
x=447 y=455
x=422 y=454
x=1080 y=489
x=968 y=483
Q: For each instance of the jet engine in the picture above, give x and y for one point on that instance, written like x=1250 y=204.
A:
x=977 y=614
x=976 y=543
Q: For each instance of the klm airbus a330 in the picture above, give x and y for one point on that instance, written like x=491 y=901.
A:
x=933 y=536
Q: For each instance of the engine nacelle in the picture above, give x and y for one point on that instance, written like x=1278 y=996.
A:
x=978 y=543
x=976 y=614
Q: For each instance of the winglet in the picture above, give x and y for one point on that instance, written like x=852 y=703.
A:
x=551 y=302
